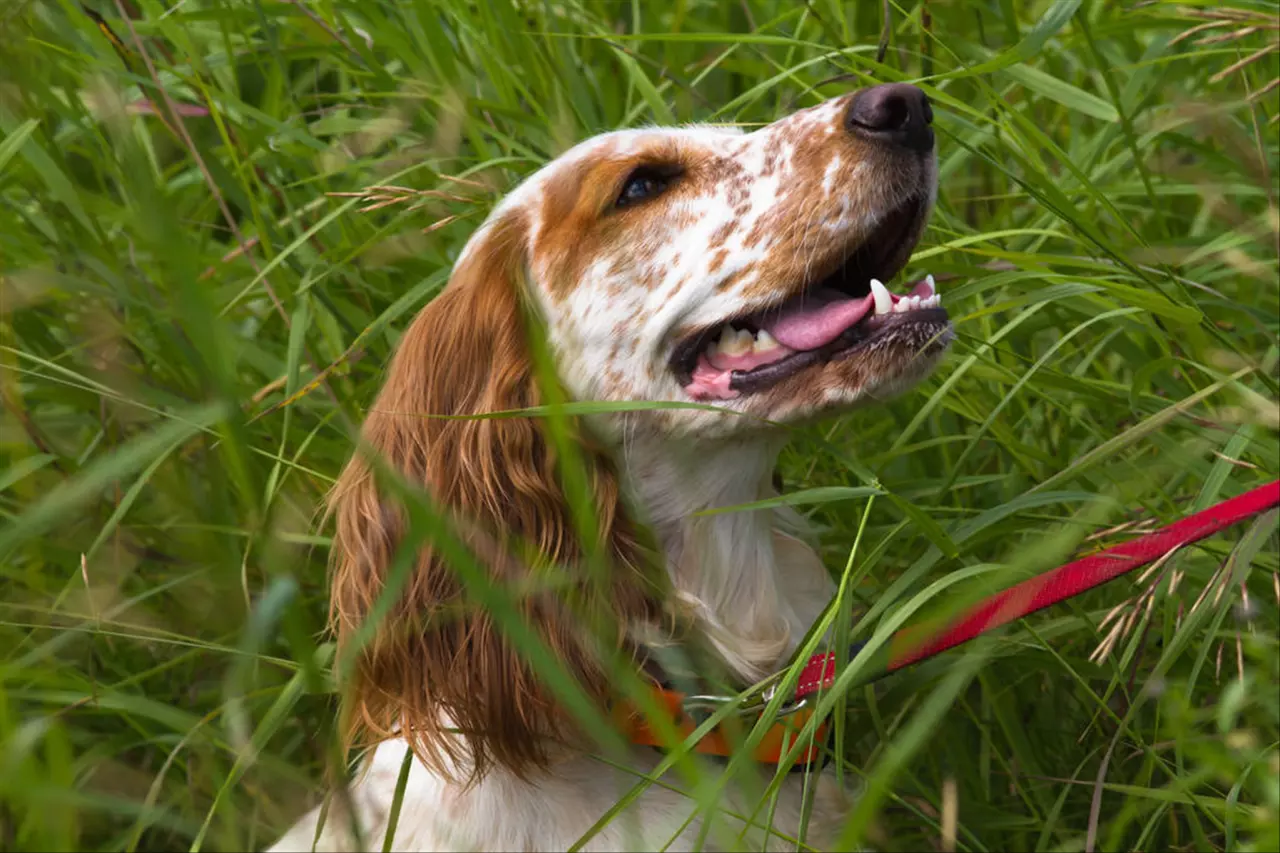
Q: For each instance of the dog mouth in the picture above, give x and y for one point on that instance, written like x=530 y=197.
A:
x=832 y=316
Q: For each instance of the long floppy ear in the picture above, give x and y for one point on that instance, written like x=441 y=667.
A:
x=438 y=660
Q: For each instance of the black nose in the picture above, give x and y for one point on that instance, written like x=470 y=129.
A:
x=896 y=113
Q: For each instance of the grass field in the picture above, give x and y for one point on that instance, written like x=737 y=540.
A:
x=198 y=290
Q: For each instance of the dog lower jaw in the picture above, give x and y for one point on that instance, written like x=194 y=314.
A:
x=831 y=395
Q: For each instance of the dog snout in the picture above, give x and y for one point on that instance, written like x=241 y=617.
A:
x=896 y=114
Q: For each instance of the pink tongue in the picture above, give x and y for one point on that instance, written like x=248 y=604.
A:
x=816 y=319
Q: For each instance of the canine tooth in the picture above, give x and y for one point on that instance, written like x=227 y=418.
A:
x=933 y=285
x=764 y=341
x=884 y=300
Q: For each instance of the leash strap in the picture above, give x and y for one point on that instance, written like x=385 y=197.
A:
x=917 y=643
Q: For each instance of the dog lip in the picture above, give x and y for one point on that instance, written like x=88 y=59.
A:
x=892 y=262
x=854 y=339
x=884 y=257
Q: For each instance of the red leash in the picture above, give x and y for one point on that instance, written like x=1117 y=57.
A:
x=1037 y=593
x=914 y=644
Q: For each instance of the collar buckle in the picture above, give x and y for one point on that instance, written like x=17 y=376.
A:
x=703 y=703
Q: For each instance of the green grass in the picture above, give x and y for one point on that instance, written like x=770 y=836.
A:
x=192 y=318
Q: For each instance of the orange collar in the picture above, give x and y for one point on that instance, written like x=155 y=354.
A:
x=777 y=741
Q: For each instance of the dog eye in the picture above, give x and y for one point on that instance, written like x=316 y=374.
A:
x=643 y=184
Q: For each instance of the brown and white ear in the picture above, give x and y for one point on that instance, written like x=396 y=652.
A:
x=438 y=660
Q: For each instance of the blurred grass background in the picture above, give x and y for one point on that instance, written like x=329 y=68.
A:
x=216 y=215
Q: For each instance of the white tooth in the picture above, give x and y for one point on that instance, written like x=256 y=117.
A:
x=884 y=300
x=915 y=302
x=900 y=306
x=732 y=343
x=764 y=341
x=933 y=285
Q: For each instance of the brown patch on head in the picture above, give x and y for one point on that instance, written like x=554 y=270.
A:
x=720 y=171
x=717 y=261
x=732 y=281
x=578 y=219
x=437 y=652
x=722 y=234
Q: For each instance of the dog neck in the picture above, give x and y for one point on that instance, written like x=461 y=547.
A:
x=725 y=567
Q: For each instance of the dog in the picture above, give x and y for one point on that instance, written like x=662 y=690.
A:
x=703 y=265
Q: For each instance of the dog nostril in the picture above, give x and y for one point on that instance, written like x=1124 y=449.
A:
x=897 y=113
x=888 y=113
